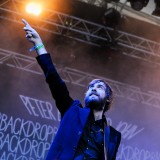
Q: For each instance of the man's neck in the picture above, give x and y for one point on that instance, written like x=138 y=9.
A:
x=97 y=115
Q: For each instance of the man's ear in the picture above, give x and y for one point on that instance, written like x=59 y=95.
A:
x=108 y=100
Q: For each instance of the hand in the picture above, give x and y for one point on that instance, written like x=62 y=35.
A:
x=31 y=34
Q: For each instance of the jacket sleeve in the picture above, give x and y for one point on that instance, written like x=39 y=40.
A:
x=56 y=84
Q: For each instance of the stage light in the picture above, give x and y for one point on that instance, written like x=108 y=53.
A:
x=116 y=1
x=156 y=12
x=34 y=8
x=138 y=4
x=111 y=17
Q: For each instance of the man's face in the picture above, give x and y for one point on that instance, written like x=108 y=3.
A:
x=95 y=97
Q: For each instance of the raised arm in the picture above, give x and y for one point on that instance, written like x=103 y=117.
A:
x=33 y=37
x=57 y=86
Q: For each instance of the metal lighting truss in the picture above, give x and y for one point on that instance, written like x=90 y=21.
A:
x=85 y=31
x=125 y=9
x=80 y=78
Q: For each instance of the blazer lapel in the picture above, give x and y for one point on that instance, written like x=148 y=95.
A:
x=110 y=142
x=83 y=114
x=107 y=139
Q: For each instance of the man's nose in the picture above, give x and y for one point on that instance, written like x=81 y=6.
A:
x=94 y=89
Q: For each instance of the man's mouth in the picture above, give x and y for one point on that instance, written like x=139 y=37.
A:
x=95 y=94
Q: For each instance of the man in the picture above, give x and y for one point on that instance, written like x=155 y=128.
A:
x=83 y=132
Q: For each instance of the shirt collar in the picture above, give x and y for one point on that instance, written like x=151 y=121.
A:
x=100 y=121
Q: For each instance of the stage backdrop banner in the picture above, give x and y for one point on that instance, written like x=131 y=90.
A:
x=29 y=119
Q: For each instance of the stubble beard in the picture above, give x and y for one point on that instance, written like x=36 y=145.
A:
x=94 y=104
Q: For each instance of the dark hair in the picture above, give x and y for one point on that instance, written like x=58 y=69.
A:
x=109 y=93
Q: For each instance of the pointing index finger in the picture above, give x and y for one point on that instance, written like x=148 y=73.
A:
x=25 y=22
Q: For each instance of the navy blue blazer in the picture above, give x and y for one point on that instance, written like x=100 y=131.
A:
x=74 y=118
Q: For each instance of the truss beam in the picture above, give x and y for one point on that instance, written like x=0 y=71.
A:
x=88 y=32
x=70 y=75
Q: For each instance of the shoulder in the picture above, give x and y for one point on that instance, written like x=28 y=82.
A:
x=76 y=103
x=76 y=106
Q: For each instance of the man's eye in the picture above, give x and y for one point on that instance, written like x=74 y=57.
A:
x=91 y=86
x=100 y=86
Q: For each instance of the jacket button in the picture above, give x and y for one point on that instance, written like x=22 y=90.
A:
x=79 y=133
